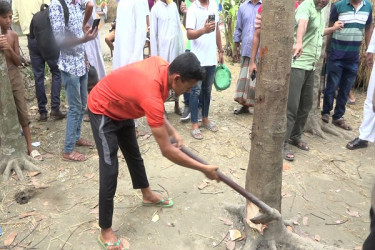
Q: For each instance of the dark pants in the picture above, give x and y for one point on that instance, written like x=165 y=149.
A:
x=340 y=74
x=109 y=135
x=369 y=243
x=300 y=100
x=38 y=65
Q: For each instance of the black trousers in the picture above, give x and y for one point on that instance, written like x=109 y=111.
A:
x=109 y=135
x=369 y=243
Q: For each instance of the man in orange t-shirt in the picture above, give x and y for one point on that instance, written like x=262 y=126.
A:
x=130 y=92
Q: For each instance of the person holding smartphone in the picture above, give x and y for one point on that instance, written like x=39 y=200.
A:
x=203 y=31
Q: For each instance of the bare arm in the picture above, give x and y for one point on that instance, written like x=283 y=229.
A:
x=195 y=34
x=254 y=50
x=219 y=45
x=301 y=31
x=11 y=51
x=175 y=155
x=338 y=25
x=88 y=12
x=368 y=34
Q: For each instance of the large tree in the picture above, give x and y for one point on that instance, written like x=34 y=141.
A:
x=12 y=145
x=264 y=174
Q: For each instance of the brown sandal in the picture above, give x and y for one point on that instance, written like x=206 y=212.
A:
x=341 y=123
x=74 y=156
x=84 y=143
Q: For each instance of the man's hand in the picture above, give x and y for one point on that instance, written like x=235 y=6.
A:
x=90 y=34
x=253 y=67
x=297 y=50
x=209 y=27
x=221 y=57
x=4 y=45
x=235 y=56
x=85 y=27
x=338 y=25
x=211 y=172
x=369 y=60
x=183 y=8
x=179 y=142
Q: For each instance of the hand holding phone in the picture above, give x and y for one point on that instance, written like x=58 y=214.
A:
x=211 y=18
x=95 y=24
x=253 y=75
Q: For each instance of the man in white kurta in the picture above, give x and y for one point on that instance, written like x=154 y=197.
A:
x=130 y=32
x=166 y=35
x=93 y=48
x=367 y=129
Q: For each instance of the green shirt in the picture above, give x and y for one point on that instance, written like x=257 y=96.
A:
x=313 y=39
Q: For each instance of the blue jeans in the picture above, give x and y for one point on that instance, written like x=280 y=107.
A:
x=340 y=74
x=38 y=65
x=202 y=88
x=76 y=93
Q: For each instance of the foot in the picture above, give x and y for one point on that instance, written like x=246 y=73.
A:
x=109 y=240
x=74 y=156
x=84 y=143
x=57 y=114
x=35 y=155
x=42 y=117
x=242 y=110
x=351 y=102
x=153 y=198
x=341 y=124
x=197 y=134
x=287 y=153
x=210 y=126
x=299 y=144
x=357 y=144
x=86 y=118
x=325 y=118
x=185 y=117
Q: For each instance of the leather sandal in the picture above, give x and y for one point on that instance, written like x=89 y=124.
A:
x=357 y=144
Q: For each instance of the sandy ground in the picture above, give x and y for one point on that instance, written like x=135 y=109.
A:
x=329 y=187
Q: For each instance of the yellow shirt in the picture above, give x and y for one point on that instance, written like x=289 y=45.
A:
x=23 y=11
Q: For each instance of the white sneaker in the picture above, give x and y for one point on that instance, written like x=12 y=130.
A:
x=185 y=117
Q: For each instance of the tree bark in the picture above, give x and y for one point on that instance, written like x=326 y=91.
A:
x=112 y=9
x=264 y=174
x=12 y=145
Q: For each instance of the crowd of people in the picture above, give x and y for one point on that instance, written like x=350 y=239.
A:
x=139 y=87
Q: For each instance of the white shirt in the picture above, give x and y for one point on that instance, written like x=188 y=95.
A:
x=130 y=36
x=203 y=47
x=166 y=37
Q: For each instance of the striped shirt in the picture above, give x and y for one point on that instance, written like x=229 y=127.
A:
x=346 y=43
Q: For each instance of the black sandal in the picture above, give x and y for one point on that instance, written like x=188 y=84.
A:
x=287 y=153
x=357 y=144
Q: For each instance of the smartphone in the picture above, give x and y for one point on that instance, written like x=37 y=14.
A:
x=253 y=75
x=211 y=18
x=95 y=24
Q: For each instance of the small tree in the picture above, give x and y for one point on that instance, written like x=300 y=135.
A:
x=12 y=145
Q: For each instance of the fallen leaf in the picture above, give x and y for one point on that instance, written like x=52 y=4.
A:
x=230 y=245
x=202 y=185
x=289 y=228
x=243 y=168
x=234 y=234
x=171 y=224
x=32 y=174
x=38 y=185
x=317 y=237
x=353 y=213
x=226 y=221
x=286 y=166
x=155 y=218
x=95 y=224
x=235 y=175
x=125 y=243
x=24 y=215
x=207 y=181
x=89 y=175
x=94 y=211
x=305 y=221
x=10 y=238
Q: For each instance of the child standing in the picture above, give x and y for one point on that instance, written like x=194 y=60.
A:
x=10 y=46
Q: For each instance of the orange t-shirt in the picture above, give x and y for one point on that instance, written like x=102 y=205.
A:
x=130 y=92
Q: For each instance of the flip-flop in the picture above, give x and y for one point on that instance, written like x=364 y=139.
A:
x=341 y=124
x=210 y=126
x=159 y=203
x=299 y=144
x=84 y=143
x=350 y=102
x=357 y=144
x=197 y=134
x=75 y=156
x=108 y=244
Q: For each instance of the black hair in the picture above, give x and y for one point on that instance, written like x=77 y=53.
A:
x=188 y=66
x=5 y=7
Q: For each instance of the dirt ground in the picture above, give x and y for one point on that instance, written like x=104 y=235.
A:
x=327 y=187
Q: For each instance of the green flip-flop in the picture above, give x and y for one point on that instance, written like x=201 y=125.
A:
x=108 y=244
x=159 y=204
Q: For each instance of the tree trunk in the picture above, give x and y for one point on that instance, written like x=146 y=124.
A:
x=112 y=9
x=12 y=145
x=264 y=174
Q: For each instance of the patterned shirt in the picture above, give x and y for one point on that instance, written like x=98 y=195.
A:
x=346 y=43
x=71 y=60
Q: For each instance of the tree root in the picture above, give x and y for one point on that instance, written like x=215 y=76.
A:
x=18 y=164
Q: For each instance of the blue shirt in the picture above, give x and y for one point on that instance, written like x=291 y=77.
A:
x=244 y=31
x=71 y=60
x=346 y=43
